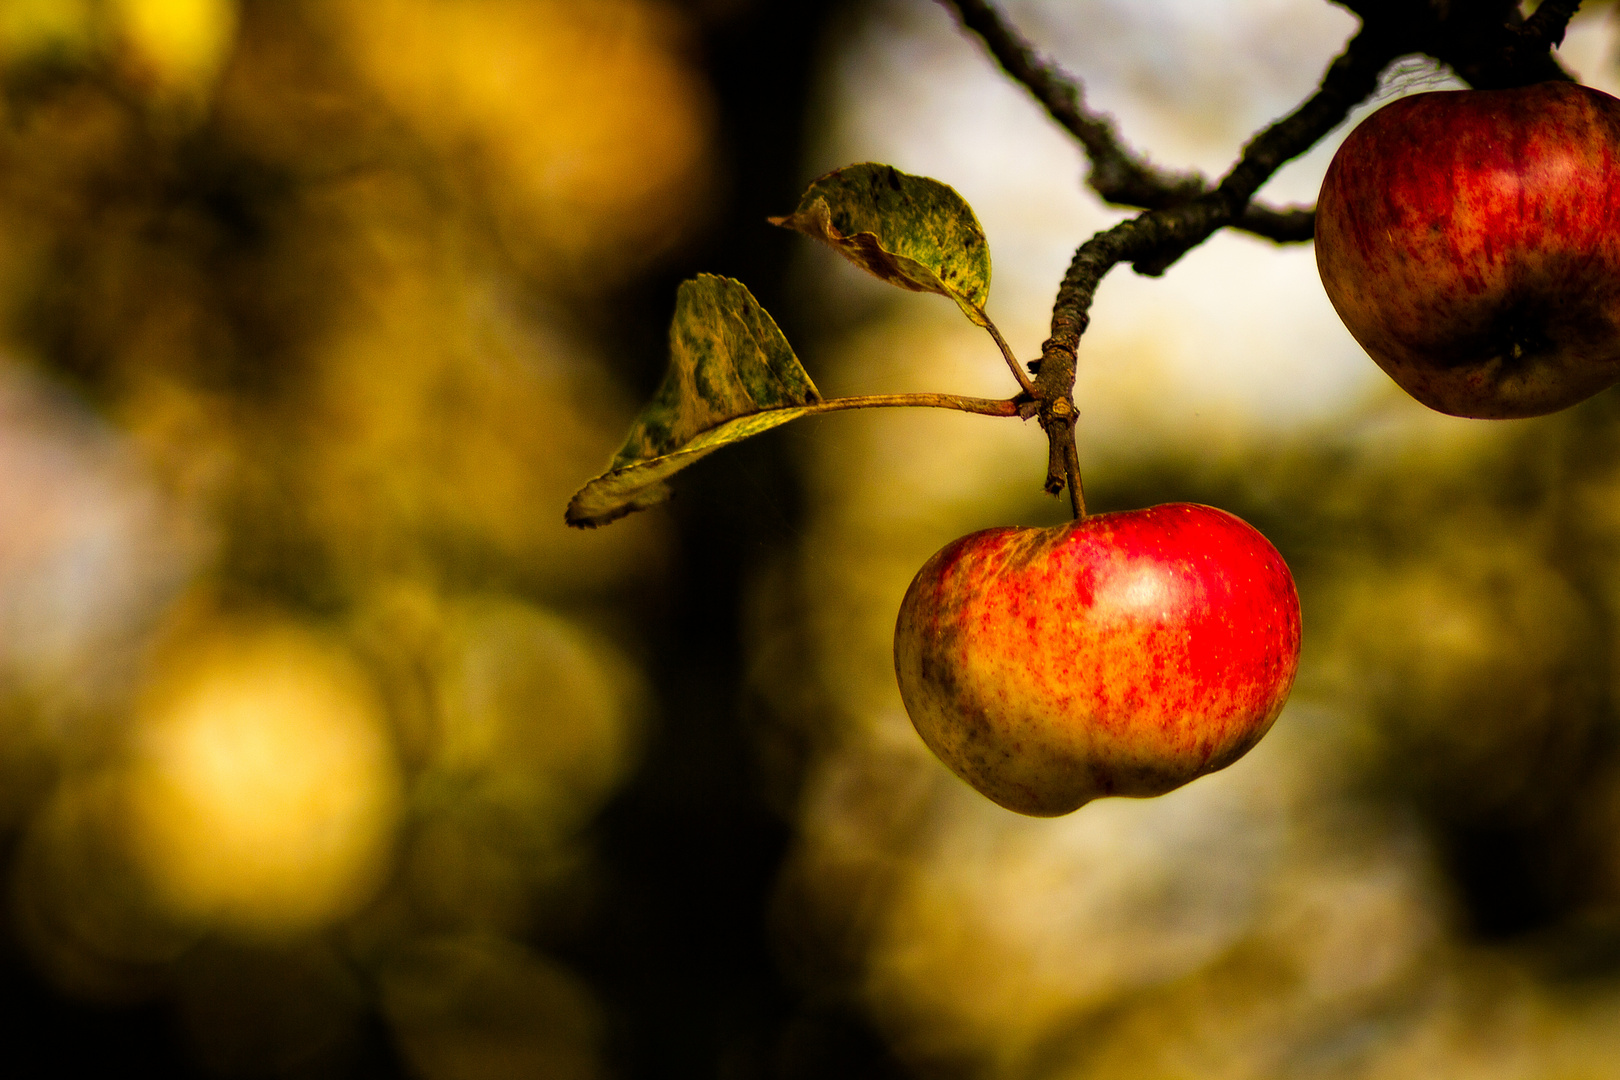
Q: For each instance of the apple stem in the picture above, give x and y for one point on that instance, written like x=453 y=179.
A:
x=1071 y=469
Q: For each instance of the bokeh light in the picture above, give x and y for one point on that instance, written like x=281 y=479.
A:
x=177 y=47
x=308 y=698
x=544 y=106
x=263 y=791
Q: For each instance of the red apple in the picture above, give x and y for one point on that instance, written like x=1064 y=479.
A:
x=1123 y=654
x=1470 y=241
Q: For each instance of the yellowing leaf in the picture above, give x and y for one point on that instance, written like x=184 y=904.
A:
x=910 y=231
x=731 y=375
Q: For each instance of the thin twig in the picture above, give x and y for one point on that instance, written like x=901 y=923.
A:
x=1118 y=175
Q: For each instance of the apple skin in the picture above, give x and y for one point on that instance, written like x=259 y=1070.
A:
x=1470 y=241
x=1123 y=654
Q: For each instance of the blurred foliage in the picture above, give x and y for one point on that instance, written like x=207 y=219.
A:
x=307 y=696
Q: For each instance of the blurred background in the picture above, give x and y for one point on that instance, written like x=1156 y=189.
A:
x=326 y=750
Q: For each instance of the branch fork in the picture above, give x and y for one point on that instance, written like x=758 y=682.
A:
x=1488 y=43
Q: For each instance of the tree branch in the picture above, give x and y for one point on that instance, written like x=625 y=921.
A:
x=1118 y=175
x=1156 y=239
x=1487 y=42
x=1546 y=27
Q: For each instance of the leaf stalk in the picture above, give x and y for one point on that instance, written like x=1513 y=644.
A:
x=980 y=406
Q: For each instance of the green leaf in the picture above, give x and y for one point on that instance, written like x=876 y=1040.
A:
x=731 y=375
x=908 y=230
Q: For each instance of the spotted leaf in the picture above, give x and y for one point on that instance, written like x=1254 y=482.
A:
x=731 y=375
x=910 y=231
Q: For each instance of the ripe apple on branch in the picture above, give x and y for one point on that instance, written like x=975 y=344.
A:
x=1120 y=654
x=1468 y=240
